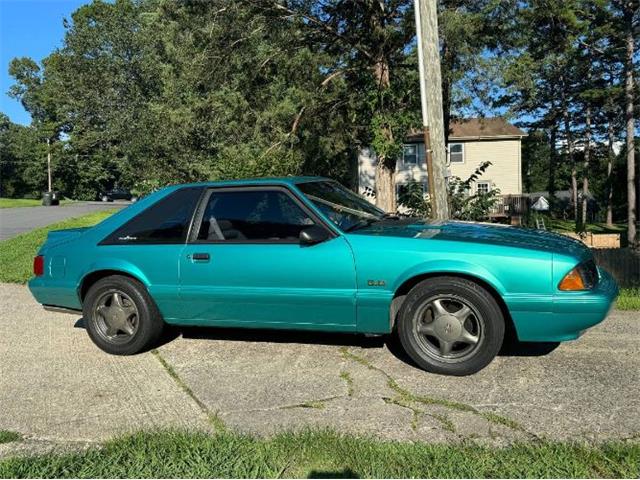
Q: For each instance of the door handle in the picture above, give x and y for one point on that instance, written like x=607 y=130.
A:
x=200 y=257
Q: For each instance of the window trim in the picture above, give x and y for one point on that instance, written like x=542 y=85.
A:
x=463 y=152
x=204 y=200
x=105 y=241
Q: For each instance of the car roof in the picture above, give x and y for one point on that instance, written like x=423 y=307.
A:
x=256 y=181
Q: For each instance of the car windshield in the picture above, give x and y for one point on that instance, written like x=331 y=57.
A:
x=343 y=207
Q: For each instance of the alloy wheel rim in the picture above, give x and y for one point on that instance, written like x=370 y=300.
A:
x=448 y=328
x=116 y=317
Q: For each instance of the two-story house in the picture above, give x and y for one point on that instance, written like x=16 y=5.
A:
x=471 y=142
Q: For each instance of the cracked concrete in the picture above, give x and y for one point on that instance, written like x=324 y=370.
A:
x=55 y=386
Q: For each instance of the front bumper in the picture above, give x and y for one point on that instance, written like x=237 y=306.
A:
x=569 y=315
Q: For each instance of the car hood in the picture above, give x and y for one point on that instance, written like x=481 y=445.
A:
x=473 y=232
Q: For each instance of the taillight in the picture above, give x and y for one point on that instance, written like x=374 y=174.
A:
x=38 y=266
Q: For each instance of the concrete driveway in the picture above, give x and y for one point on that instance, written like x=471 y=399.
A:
x=55 y=386
x=14 y=221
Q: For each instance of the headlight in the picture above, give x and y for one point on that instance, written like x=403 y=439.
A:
x=583 y=276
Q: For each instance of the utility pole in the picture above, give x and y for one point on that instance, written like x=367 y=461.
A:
x=431 y=99
x=49 y=162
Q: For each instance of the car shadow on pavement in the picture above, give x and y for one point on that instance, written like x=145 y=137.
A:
x=511 y=347
x=280 y=336
x=172 y=332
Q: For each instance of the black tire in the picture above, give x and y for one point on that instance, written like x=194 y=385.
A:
x=146 y=323
x=447 y=347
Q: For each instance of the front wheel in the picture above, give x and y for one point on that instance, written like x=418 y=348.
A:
x=451 y=326
x=120 y=316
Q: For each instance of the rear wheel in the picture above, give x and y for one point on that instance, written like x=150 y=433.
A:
x=450 y=325
x=120 y=316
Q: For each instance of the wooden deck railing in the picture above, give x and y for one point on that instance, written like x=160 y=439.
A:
x=511 y=206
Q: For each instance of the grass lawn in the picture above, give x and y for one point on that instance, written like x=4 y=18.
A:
x=172 y=454
x=7 y=436
x=560 y=225
x=16 y=254
x=629 y=299
x=26 y=202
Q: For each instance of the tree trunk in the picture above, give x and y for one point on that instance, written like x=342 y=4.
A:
x=385 y=167
x=631 y=159
x=574 y=172
x=385 y=187
x=569 y=138
x=552 y=165
x=611 y=157
x=585 y=166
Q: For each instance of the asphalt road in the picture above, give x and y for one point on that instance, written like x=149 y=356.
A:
x=57 y=388
x=14 y=221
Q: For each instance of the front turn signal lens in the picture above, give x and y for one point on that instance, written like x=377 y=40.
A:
x=572 y=281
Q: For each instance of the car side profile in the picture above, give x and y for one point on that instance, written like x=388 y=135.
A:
x=306 y=253
x=116 y=194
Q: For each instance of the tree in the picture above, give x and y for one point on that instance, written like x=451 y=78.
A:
x=367 y=41
x=567 y=77
x=628 y=10
x=22 y=160
x=539 y=77
x=149 y=93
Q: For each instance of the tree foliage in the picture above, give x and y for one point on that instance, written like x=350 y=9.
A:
x=143 y=93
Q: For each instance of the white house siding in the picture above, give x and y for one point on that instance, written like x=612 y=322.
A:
x=504 y=173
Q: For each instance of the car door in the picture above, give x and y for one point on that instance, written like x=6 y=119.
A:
x=151 y=244
x=244 y=265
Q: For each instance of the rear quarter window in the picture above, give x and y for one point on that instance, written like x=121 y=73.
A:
x=165 y=222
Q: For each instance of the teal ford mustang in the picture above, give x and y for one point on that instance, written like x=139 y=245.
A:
x=307 y=253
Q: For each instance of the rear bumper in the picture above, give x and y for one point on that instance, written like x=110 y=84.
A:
x=569 y=315
x=49 y=292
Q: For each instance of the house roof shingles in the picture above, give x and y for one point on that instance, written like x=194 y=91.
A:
x=477 y=128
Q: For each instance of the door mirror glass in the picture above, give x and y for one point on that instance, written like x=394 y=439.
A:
x=313 y=235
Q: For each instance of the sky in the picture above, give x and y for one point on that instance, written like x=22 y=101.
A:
x=29 y=28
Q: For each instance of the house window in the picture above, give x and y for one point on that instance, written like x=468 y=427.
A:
x=483 y=188
x=456 y=152
x=410 y=155
x=411 y=189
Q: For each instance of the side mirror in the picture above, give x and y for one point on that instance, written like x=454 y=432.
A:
x=313 y=235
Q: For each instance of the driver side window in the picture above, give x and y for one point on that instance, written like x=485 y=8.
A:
x=252 y=216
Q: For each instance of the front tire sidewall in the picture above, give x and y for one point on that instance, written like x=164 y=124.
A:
x=479 y=298
x=149 y=321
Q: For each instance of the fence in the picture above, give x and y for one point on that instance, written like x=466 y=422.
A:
x=622 y=263
x=512 y=207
